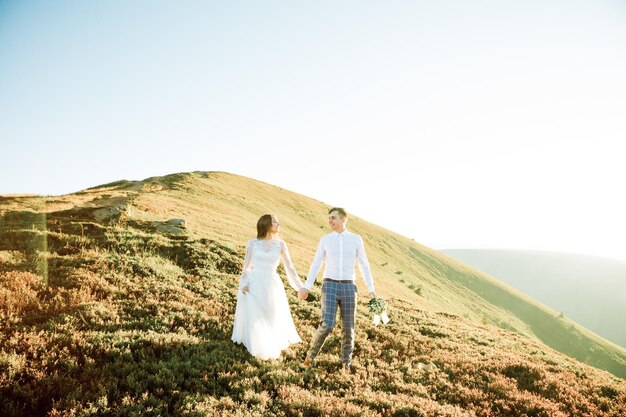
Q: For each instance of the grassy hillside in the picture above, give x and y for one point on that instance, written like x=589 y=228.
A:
x=590 y=290
x=103 y=311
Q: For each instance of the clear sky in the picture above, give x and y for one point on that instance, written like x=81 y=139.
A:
x=456 y=123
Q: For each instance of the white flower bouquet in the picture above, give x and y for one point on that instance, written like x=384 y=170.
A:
x=378 y=307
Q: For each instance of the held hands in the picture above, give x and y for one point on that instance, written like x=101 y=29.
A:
x=303 y=293
x=245 y=290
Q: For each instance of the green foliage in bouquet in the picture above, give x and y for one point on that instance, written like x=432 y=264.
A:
x=377 y=305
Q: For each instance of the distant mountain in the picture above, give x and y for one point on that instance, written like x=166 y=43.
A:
x=590 y=290
x=118 y=301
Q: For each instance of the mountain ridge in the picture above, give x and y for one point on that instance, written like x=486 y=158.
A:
x=589 y=289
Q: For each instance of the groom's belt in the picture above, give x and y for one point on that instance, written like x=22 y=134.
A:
x=347 y=281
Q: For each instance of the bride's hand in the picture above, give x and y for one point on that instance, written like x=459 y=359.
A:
x=245 y=289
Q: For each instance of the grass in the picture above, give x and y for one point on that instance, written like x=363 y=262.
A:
x=133 y=323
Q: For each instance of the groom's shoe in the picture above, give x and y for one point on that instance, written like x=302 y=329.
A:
x=307 y=362
x=346 y=369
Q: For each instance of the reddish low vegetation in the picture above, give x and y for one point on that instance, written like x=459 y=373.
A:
x=130 y=323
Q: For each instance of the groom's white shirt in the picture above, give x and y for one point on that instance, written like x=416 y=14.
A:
x=341 y=252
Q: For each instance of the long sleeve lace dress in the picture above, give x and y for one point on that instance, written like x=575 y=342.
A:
x=263 y=322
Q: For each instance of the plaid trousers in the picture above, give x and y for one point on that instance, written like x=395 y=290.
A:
x=335 y=294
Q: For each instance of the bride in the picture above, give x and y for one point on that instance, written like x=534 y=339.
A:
x=263 y=322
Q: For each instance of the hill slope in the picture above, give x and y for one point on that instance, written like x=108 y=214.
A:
x=107 y=310
x=590 y=290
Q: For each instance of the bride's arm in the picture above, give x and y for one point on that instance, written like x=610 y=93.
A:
x=292 y=276
x=247 y=267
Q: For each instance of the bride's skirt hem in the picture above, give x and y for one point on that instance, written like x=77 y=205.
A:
x=267 y=356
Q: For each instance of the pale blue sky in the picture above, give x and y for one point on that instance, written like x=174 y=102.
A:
x=456 y=123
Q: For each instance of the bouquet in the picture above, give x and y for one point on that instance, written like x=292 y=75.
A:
x=378 y=307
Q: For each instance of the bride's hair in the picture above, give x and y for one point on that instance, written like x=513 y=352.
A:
x=263 y=226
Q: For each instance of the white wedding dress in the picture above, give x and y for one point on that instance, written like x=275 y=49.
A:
x=263 y=322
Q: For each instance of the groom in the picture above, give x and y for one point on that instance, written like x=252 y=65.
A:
x=341 y=250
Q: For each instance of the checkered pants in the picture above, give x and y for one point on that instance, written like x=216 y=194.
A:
x=335 y=294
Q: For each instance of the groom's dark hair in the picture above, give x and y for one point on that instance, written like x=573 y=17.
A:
x=342 y=213
x=263 y=226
